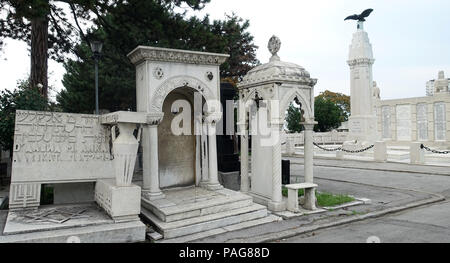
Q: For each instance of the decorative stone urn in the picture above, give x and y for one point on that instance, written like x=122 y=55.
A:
x=124 y=150
x=125 y=145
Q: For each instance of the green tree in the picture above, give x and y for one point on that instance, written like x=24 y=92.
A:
x=294 y=117
x=47 y=28
x=327 y=114
x=155 y=25
x=22 y=98
x=341 y=100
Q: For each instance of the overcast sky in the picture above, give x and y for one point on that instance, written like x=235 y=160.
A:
x=410 y=39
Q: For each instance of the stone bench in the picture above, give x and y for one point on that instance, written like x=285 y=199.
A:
x=309 y=188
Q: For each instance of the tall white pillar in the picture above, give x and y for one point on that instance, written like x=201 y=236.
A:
x=244 y=159
x=362 y=121
x=204 y=150
x=213 y=182
x=309 y=151
x=276 y=203
x=151 y=190
x=310 y=196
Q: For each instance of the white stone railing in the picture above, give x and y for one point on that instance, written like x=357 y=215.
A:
x=333 y=137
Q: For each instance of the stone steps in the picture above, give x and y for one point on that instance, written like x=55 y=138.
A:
x=168 y=212
x=207 y=222
x=218 y=231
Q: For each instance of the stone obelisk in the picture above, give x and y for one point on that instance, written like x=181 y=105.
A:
x=363 y=121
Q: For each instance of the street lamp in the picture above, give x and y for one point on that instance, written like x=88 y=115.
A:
x=96 y=48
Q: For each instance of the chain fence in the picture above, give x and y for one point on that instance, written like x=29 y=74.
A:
x=433 y=151
x=343 y=150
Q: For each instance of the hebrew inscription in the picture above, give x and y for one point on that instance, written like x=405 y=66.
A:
x=59 y=137
x=54 y=146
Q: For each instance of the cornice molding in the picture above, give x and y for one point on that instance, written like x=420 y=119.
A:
x=146 y=53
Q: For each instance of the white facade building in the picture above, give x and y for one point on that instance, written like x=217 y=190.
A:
x=430 y=86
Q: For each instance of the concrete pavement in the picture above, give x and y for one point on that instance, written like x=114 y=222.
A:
x=420 y=225
x=390 y=192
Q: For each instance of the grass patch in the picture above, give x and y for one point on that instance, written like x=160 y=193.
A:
x=329 y=199
x=325 y=199
x=284 y=192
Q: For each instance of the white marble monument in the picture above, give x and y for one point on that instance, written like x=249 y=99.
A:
x=265 y=94
x=181 y=193
x=62 y=148
x=362 y=122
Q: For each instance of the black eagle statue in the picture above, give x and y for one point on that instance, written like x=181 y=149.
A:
x=360 y=17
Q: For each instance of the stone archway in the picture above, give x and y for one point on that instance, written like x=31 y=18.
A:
x=162 y=91
x=159 y=72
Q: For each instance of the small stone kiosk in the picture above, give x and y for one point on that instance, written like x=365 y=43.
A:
x=181 y=193
x=265 y=95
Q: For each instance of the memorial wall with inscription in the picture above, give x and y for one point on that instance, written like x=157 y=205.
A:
x=60 y=147
x=423 y=119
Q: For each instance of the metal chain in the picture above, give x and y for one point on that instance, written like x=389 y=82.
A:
x=359 y=151
x=344 y=150
x=328 y=150
x=433 y=151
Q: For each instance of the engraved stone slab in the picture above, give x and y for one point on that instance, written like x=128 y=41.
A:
x=403 y=122
x=386 y=122
x=422 y=122
x=439 y=121
x=60 y=147
x=356 y=126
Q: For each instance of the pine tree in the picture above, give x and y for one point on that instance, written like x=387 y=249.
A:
x=151 y=24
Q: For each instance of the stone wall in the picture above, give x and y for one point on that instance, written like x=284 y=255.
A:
x=421 y=119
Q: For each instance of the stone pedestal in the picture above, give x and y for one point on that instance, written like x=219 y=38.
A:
x=380 y=151
x=417 y=155
x=363 y=128
x=121 y=203
x=230 y=180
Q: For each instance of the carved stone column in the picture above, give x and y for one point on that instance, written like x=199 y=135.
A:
x=244 y=158
x=213 y=180
x=310 y=197
x=151 y=190
x=276 y=203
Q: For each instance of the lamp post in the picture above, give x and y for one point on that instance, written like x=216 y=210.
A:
x=96 y=47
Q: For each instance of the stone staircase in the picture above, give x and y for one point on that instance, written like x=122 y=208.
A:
x=188 y=214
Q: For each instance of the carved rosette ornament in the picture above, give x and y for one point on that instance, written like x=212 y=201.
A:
x=158 y=73
x=209 y=76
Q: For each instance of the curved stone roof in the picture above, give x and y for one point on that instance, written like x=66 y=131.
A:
x=277 y=71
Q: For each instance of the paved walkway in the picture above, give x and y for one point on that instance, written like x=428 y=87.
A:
x=426 y=224
x=390 y=192
x=371 y=165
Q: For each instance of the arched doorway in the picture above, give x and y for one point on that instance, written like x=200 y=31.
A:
x=177 y=140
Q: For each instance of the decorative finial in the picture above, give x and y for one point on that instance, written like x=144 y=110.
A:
x=274 y=46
